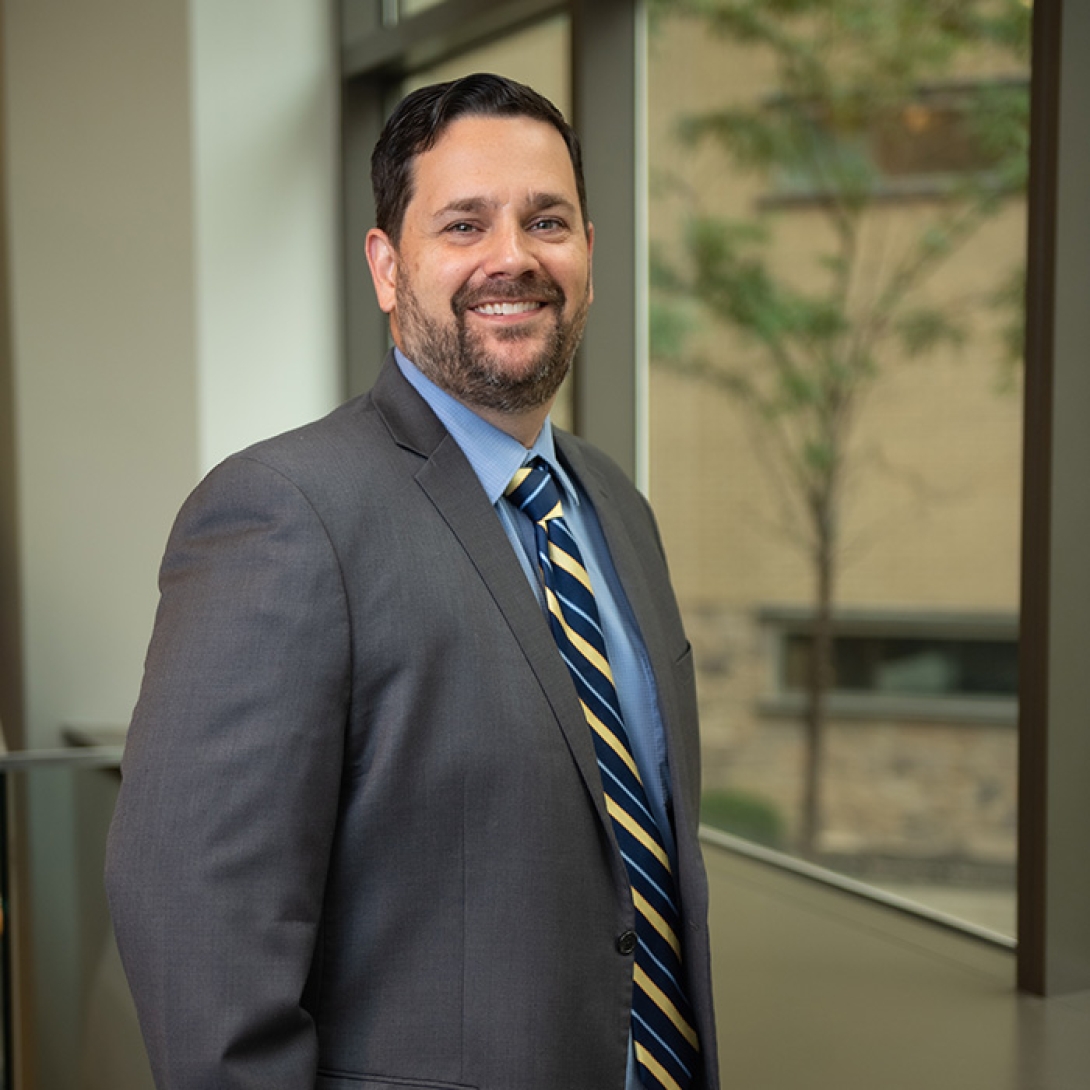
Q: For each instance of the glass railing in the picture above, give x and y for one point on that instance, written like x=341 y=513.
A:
x=68 y=1020
x=67 y=1017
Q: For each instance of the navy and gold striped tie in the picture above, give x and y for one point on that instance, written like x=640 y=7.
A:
x=665 y=1042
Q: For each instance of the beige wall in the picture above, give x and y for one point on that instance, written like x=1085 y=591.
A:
x=171 y=210
x=100 y=220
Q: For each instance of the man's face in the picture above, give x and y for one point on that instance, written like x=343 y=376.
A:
x=489 y=286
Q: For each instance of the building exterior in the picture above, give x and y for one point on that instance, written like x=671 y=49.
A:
x=918 y=754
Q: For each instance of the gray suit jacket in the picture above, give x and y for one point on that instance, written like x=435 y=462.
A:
x=361 y=839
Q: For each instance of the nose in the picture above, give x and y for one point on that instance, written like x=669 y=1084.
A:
x=510 y=252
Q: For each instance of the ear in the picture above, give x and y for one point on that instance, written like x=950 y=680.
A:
x=590 y=262
x=382 y=258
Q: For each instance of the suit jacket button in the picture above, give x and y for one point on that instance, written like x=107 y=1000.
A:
x=626 y=942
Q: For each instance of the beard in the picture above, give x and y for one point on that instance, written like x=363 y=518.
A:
x=458 y=360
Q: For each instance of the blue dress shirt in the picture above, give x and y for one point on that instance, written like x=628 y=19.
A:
x=495 y=456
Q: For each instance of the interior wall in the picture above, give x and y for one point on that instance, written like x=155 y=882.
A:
x=101 y=266
x=264 y=95
x=173 y=262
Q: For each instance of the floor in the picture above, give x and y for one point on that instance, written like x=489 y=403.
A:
x=818 y=989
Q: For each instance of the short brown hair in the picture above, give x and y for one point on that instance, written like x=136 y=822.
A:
x=421 y=118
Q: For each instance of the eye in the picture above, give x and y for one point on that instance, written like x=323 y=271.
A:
x=461 y=227
x=549 y=223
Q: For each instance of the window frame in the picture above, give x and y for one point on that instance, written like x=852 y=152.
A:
x=1054 y=746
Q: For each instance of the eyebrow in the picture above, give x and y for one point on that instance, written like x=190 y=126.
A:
x=538 y=202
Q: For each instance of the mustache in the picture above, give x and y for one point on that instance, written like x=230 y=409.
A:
x=532 y=286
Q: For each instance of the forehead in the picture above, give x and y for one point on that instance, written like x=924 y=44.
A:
x=502 y=160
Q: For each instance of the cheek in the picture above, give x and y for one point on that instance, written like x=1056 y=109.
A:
x=577 y=283
x=440 y=283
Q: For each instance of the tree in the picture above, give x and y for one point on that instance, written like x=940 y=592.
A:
x=863 y=87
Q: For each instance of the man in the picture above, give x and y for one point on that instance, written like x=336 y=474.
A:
x=374 y=828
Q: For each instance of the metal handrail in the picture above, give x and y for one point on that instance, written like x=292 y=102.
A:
x=74 y=757
x=728 y=842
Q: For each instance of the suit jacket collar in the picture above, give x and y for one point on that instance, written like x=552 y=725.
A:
x=411 y=422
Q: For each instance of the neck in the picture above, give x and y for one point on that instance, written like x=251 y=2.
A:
x=525 y=427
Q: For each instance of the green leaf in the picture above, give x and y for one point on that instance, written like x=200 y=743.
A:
x=923 y=329
x=671 y=327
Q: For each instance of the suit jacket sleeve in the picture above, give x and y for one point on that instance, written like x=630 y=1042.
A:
x=222 y=833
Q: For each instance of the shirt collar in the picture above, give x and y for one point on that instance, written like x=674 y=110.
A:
x=493 y=454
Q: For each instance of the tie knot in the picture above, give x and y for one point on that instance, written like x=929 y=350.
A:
x=534 y=491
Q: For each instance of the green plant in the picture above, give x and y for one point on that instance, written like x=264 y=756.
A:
x=745 y=815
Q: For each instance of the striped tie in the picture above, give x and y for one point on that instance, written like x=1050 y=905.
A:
x=665 y=1042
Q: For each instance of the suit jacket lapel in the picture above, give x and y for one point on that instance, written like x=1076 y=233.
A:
x=448 y=480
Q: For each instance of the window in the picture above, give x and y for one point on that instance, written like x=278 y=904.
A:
x=835 y=422
x=910 y=665
x=932 y=664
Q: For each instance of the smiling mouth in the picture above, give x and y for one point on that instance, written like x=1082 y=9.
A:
x=507 y=309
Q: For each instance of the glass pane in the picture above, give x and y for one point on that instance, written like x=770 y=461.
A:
x=539 y=56
x=69 y=1013
x=837 y=225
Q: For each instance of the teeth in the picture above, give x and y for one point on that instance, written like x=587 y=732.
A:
x=506 y=308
